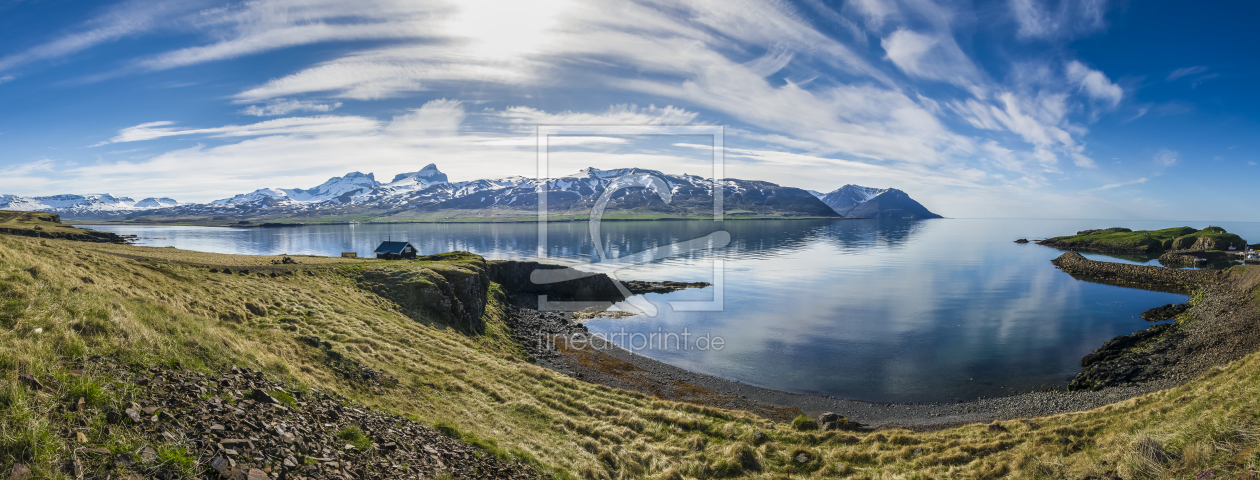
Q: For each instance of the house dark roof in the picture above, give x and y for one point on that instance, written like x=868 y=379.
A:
x=392 y=247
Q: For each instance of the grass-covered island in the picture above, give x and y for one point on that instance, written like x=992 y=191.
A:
x=119 y=361
x=1126 y=241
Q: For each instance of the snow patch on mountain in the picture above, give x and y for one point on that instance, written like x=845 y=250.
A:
x=91 y=203
x=156 y=203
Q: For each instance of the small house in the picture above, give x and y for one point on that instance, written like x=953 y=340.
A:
x=395 y=251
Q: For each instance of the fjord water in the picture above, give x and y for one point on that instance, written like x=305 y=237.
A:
x=879 y=310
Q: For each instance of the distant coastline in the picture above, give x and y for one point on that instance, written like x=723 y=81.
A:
x=462 y=220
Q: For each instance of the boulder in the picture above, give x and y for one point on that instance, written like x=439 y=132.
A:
x=832 y=421
x=263 y=397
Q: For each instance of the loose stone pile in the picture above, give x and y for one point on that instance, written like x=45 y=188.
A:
x=241 y=426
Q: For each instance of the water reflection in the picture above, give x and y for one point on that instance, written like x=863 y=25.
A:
x=869 y=309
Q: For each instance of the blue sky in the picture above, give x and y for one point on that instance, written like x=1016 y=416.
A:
x=1013 y=108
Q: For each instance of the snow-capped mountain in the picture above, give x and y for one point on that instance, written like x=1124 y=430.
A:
x=353 y=187
x=156 y=203
x=428 y=194
x=336 y=188
x=866 y=202
x=103 y=203
x=845 y=198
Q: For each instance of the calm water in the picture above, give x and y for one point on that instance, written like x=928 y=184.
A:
x=910 y=311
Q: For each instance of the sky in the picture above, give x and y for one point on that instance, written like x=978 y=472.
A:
x=988 y=109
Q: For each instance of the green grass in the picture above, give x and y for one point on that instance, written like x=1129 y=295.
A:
x=25 y=433
x=354 y=435
x=1221 y=240
x=44 y=225
x=804 y=423
x=87 y=387
x=1146 y=241
x=284 y=398
x=175 y=458
x=157 y=310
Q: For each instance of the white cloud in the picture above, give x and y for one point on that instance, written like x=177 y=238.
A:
x=260 y=39
x=1182 y=72
x=1072 y=17
x=1110 y=186
x=114 y=23
x=615 y=115
x=1094 y=83
x=1167 y=158
x=933 y=58
x=23 y=169
x=322 y=125
x=437 y=119
x=282 y=106
x=1202 y=78
x=1040 y=120
x=6 y=78
x=388 y=73
x=875 y=11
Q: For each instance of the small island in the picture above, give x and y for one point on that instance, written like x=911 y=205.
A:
x=1174 y=247
x=1148 y=242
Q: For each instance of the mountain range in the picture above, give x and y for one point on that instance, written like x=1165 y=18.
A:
x=92 y=204
x=428 y=195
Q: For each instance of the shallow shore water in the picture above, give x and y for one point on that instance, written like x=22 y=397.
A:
x=1221 y=329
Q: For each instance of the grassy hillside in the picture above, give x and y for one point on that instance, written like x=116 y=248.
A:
x=1123 y=240
x=48 y=225
x=61 y=301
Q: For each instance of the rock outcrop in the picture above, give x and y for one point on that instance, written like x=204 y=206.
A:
x=1166 y=312
x=515 y=277
x=448 y=294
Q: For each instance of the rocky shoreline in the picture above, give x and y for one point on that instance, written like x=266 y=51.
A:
x=1220 y=325
x=1167 y=355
